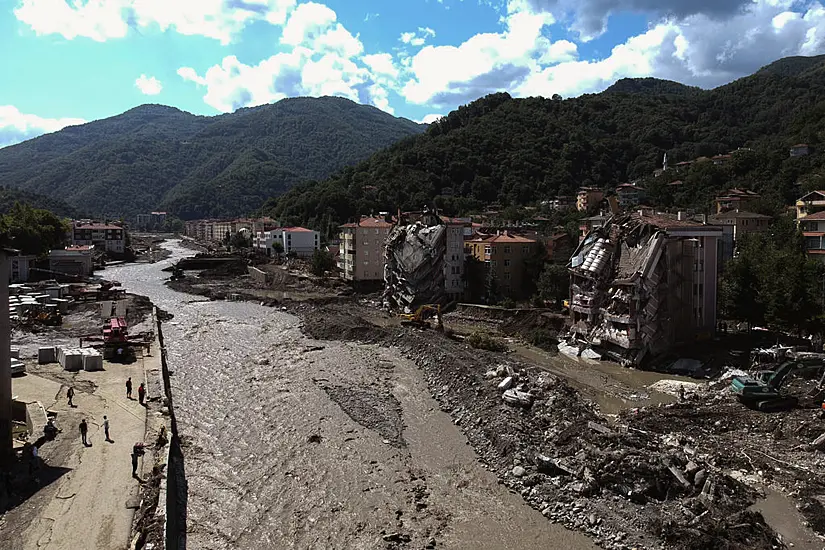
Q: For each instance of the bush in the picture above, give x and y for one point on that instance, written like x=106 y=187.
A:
x=480 y=340
x=322 y=262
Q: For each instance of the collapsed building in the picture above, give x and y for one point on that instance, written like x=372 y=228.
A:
x=414 y=257
x=641 y=284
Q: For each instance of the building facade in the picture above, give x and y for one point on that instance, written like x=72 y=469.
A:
x=588 y=198
x=107 y=237
x=810 y=203
x=74 y=260
x=813 y=230
x=629 y=195
x=504 y=258
x=361 y=251
x=736 y=199
x=19 y=266
x=742 y=222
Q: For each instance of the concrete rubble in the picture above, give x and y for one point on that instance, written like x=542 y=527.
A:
x=414 y=269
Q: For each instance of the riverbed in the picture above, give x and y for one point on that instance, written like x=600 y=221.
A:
x=295 y=443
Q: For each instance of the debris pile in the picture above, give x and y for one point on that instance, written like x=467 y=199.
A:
x=414 y=268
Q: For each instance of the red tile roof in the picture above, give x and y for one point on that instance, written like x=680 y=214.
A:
x=297 y=229
x=816 y=216
x=370 y=222
x=98 y=226
x=502 y=239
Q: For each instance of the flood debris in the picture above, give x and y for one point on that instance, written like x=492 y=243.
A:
x=414 y=267
x=641 y=284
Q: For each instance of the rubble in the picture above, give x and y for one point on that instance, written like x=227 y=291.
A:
x=414 y=268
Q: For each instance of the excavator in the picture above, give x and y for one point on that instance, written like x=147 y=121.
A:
x=420 y=319
x=762 y=391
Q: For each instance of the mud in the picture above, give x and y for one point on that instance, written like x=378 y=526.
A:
x=282 y=451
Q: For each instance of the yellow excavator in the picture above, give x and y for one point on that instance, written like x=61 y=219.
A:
x=420 y=319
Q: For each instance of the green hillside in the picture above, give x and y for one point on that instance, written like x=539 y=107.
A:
x=522 y=151
x=156 y=157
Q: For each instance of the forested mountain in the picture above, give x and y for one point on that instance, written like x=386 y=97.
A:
x=10 y=197
x=155 y=157
x=522 y=151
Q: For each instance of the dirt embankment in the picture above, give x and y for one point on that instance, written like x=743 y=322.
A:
x=677 y=476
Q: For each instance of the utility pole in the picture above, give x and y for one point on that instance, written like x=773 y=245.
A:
x=6 y=448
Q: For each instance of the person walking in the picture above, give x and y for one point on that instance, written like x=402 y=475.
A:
x=106 y=428
x=141 y=393
x=129 y=388
x=70 y=395
x=137 y=451
x=84 y=429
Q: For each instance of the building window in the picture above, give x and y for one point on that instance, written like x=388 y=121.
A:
x=365 y=243
x=487 y=249
x=494 y=250
x=493 y=263
x=366 y=253
x=525 y=249
x=506 y=263
x=376 y=231
x=506 y=276
x=506 y=249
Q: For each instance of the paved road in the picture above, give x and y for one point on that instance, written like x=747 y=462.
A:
x=85 y=506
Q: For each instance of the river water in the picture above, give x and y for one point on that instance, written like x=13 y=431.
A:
x=294 y=443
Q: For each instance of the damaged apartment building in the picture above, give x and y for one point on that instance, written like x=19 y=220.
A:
x=423 y=261
x=643 y=283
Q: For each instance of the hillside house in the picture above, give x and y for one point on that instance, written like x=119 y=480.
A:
x=800 y=150
x=813 y=229
x=588 y=198
x=736 y=199
x=630 y=195
x=810 y=203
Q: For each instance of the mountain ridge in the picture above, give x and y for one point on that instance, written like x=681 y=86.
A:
x=159 y=157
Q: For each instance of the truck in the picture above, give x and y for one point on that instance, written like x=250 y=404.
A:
x=762 y=390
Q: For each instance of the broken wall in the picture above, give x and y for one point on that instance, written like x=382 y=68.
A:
x=414 y=266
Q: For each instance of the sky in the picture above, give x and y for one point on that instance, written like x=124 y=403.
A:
x=65 y=62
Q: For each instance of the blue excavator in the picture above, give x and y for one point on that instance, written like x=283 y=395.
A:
x=762 y=390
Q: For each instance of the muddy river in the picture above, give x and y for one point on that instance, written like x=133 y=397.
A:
x=294 y=443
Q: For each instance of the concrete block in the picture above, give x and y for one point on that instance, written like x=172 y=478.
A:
x=45 y=355
x=92 y=360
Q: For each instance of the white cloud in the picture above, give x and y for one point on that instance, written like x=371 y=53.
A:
x=381 y=64
x=102 y=20
x=16 y=126
x=429 y=119
x=188 y=73
x=148 y=85
x=418 y=38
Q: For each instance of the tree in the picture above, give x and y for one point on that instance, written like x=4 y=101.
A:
x=322 y=262
x=278 y=248
x=31 y=230
x=239 y=240
x=554 y=283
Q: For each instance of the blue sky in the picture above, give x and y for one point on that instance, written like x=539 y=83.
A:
x=69 y=61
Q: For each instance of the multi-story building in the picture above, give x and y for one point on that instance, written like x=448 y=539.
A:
x=361 y=252
x=742 y=222
x=629 y=195
x=813 y=229
x=454 y=256
x=504 y=255
x=107 y=237
x=588 y=198
x=298 y=241
x=643 y=283
x=736 y=199
x=810 y=203
x=74 y=260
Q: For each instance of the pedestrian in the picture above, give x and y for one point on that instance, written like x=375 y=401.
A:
x=141 y=393
x=70 y=395
x=106 y=428
x=137 y=451
x=129 y=388
x=84 y=429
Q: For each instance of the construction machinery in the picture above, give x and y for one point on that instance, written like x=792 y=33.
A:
x=420 y=319
x=762 y=390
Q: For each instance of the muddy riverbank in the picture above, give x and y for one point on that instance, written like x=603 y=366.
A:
x=293 y=443
x=311 y=421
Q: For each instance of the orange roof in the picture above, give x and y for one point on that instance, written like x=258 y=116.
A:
x=297 y=229
x=370 y=222
x=503 y=239
x=816 y=216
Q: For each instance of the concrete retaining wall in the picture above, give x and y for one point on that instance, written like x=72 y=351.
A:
x=259 y=276
x=173 y=491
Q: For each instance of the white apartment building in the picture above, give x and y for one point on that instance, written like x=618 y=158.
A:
x=454 y=255
x=299 y=241
x=111 y=238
